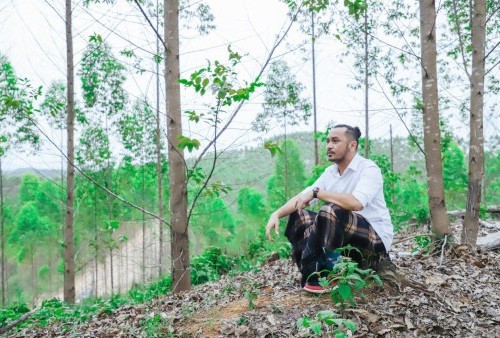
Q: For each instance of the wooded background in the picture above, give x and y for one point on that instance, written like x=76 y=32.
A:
x=147 y=181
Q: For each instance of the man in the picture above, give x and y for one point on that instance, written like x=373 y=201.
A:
x=354 y=212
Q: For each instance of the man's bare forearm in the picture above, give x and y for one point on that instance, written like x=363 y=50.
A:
x=345 y=201
x=287 y=208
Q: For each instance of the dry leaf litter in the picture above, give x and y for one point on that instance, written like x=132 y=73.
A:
x=460 y=298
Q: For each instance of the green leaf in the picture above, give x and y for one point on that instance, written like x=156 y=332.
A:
x=377 y=279
x=316 y=327
x=186 y=142
x=158 y=58
x=326 y=314
x=303 y=322
x=354 y=277
x=112 y=225
x=185 y=82
x=193 y=116
x=273 y=147
x=350 y=325
x=95 y=38
x=345 y=291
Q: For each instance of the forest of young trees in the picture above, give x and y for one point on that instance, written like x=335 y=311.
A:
x=145 y=182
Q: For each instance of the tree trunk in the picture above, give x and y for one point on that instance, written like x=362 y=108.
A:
x=432 y=134
x=476 y=149
x=143 y=228
x=316 y=154
x=177 y=175
x=33 y=276
x=52 y=245
x=159 y=172
x=3 y=233
x=96 y=248
x=69 y=244
x=109 y=186
x=111 y=266
x=367 y=129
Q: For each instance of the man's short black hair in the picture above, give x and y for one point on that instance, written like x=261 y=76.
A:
x=352 y=132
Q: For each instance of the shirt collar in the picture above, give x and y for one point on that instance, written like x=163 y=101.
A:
x=354 y=162
x=352 y=166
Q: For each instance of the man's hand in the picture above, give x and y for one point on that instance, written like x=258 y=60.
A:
x=303 y=200
x=273 y=222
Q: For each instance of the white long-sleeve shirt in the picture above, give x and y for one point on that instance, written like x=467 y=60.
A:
x=363 y=179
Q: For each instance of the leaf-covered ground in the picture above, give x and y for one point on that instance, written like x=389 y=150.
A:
x=460 y=298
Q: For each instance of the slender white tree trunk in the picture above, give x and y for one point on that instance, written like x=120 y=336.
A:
x=69 y=243
x=432 y=133
x=476 y=149
x=181 y=279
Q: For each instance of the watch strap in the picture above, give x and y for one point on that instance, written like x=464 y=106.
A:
x=315 y=192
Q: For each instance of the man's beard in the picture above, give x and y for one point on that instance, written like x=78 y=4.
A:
x=341 y=159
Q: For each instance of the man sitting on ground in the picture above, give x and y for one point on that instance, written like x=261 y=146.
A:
x=354 y=212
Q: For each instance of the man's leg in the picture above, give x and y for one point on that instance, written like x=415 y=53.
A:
x=298 y=230
x=333 y=228
x=338 y=227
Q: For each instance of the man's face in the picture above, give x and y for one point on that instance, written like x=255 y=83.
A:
x=338 y=145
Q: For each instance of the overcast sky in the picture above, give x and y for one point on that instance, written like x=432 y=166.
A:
x=32 y=37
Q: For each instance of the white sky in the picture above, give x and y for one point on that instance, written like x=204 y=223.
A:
x=32 y=37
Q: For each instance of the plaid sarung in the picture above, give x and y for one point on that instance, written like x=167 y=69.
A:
x=312 y=233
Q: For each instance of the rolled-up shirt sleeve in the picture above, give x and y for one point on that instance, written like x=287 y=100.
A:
x=369 y=185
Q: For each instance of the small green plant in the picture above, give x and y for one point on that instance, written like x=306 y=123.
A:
x=242 y=321
x=210 y=265
x=423 y=244
x=348 y=278
x=251 y=293
x=325 y=320
x=11 y=313
x=153 y=326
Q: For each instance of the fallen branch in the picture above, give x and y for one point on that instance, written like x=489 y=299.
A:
x=412 y=237
x=489 y=224
x=489 y=242
x=442 y=250
x=21 y=319
x=492 y=209
x=456 y=213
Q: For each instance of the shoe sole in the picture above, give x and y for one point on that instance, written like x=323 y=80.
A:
x=317 y=292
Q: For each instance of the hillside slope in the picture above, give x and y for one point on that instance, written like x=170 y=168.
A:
x=461 y=298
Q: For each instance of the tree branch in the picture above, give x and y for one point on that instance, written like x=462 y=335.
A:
x=97 y=183
x=213 y=164
x=491 y=50
x=21 y=319
x=400 y=117
x=279 y=40
x=493 y=67
x=150 y=23
x=460 y=39
x=492 y=15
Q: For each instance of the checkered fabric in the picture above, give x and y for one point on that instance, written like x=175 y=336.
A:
x=312 y=233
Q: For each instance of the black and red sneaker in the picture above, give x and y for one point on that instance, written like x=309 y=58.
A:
x=314 y=287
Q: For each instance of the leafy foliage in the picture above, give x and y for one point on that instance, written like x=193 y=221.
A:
x=282 y=99
x=16 y=109
x=288 y=178
x=350 y=280
x=328 y=320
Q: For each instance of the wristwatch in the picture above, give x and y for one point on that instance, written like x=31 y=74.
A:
x=315 y=192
